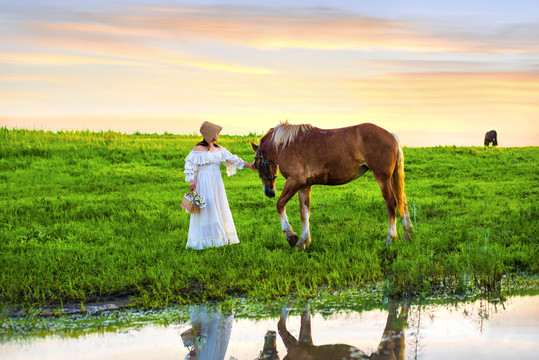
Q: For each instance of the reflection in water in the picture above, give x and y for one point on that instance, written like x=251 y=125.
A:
x=473 y=330
x=392 y=344
x=208 y=337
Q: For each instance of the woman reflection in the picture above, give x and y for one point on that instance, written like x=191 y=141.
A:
x=209 y=334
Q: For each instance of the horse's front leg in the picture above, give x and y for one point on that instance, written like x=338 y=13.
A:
x=291 y=236
x=289 y=190
x=290 y=342
x=304 y=195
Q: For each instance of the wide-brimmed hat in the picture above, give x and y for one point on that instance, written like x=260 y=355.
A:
x=209 y=130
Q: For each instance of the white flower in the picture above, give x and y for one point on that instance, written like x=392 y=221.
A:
x=198 y=200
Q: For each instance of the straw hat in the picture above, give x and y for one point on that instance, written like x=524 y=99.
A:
x=209 y=130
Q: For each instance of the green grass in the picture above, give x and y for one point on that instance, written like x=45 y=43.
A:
x=89 y=216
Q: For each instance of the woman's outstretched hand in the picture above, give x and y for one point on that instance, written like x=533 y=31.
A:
x=192 y=185
x=250 y=166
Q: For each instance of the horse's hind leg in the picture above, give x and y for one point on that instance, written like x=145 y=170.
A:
x=305 y=333
x=406 y=222
x=391 y=205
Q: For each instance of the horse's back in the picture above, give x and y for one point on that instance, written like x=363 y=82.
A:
x=338 y=156
x=366 y=132
x=365 y=140
x=371 y=133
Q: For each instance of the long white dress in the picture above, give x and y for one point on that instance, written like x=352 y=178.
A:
x=214 y=225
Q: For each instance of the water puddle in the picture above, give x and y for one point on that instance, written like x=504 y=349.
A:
x=472 y=330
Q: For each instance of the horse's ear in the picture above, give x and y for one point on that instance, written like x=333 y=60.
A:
x=254 y=146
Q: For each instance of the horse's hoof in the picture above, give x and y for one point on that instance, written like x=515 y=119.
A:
x=292 y=240
x=388 y=241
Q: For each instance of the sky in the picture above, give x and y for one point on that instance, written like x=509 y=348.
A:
x=433 y=72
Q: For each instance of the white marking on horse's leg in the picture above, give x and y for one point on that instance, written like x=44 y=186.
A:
x=391 y=231
x=408 y=228
x=305 y=239
x=285 y=225
x=406 y=223
x=291 y=236
x=306 y=233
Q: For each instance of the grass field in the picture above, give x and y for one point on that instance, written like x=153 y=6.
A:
x=91 y=216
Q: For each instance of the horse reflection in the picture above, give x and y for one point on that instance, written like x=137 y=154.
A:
x=391 y=347
x=208 y=337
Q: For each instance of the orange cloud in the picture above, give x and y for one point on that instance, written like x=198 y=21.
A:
x=51 y=58
x=457 y=90
x=265 y=28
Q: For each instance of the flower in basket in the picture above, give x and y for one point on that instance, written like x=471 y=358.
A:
x=192 y=202
x=198 y=200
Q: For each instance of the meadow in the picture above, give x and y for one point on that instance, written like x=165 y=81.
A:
x=92 y=216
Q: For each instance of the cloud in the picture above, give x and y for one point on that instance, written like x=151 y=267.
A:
x=49 y=58
x=23 y=79
x=452 y=92
x=180 y=36
x=85 y=39
x=280 y=28
x=266 y=27
x=73 y=50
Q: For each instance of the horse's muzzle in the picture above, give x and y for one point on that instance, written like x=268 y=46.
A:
x=269 y=192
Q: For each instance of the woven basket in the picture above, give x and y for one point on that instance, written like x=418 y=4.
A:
x=188 y=205
x=188 y=337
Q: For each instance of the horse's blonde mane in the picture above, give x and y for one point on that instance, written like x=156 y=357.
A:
x=284 y=133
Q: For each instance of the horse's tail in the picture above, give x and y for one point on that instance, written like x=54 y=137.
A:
x=397 y=180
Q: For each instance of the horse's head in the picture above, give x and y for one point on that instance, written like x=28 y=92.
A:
x=267 y=169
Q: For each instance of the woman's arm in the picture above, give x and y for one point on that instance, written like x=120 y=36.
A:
x=191 y=169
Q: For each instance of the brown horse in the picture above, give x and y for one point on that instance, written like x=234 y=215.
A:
x=308 y=156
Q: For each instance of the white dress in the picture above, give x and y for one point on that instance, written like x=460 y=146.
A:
x=213 y=226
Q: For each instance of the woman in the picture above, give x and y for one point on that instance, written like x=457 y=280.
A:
x=214 y=225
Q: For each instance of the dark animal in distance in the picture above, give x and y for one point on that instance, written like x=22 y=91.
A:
x=491 y=137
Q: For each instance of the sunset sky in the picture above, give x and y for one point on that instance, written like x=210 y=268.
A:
x=434 y=72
